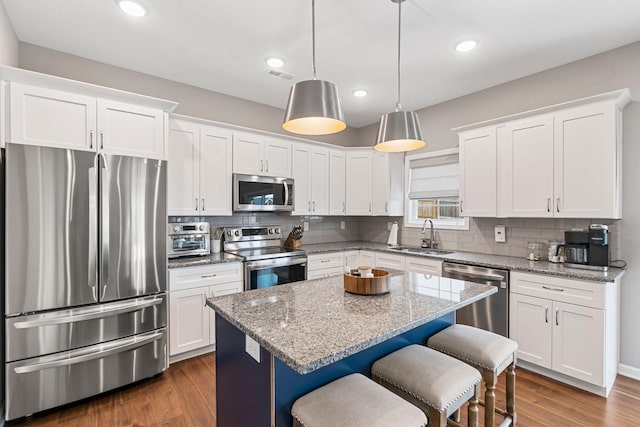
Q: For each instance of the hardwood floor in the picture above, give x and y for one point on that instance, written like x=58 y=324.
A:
x=185 y=396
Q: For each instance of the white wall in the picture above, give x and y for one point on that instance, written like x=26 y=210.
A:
x=616 y=69
x=193 y=101
x=8 y=41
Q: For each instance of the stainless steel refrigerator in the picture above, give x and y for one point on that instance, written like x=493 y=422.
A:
x=85 y=281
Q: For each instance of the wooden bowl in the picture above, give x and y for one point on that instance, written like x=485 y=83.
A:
x=376 y=285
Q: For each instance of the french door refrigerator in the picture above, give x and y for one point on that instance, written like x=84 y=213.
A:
x=85 y=280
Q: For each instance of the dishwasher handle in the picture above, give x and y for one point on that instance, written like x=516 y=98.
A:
x=488 y=276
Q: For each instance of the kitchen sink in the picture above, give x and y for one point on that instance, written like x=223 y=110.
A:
x=426 y=251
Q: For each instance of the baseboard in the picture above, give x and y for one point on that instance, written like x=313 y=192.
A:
x=192 y=353
x=629 y=371
x=591 y=388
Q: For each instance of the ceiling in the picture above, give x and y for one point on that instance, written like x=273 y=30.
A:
x=221 y=45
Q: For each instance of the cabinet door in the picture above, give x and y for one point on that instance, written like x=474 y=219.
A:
x=218 y=291
x=277 y=158
x=578 y=342
x=320 y=182
x=367 y=258
x=359 y=186
x=530 y=326
x=215 y=171
x=427 y=266
x=183 y=174
x=380 y=183
x=51 y=118
x=351 y=259
x=337 y=186
x=526 y=167
x=384 y=260
x=478 y=183
x=130 y=130
x=247 y=154
x=188 y=320
x=585 y=176
x=301 y=159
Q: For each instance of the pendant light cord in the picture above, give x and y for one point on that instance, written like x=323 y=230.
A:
x=398 y=106
x=313 y=38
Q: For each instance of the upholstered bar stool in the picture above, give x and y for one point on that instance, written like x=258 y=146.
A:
x=355 y=401
x=434 y=382
x=491 y=354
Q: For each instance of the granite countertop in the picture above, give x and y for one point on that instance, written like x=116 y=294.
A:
x=314 y=323
x=193 y=261
x=485 y=260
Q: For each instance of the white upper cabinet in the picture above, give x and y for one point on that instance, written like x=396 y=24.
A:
x=359 y=174
x=526 y=168
x=478 y=185
x=258 y=155
x=310 y=171
x=337 y=185
x=388 y=184
x=199 y=177
x=563 y=161
x=54 y=118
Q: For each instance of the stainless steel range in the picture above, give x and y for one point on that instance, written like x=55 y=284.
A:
x=266 y=262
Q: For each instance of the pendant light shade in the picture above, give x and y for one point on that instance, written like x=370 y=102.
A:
x=314 y=105
x=314 y=109
x=399 y=131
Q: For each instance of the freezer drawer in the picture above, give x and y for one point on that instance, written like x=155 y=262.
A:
x=45 y=382
x=61 y=330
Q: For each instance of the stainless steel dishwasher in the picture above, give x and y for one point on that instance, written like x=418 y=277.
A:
x=491 y=313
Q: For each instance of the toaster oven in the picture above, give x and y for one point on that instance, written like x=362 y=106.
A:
x=188 y=239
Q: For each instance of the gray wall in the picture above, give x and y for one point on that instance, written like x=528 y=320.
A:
x=616 y=69
x=8 y=41
x=193 y=101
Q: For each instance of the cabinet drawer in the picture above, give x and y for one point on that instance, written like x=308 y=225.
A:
x=587 y=294
x=395 y=262
x=194 y=277
x=324 y=261
x=424 y=265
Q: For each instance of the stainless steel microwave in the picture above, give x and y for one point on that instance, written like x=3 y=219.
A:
x=253 y=193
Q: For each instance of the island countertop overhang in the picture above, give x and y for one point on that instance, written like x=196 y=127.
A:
x=311 y=324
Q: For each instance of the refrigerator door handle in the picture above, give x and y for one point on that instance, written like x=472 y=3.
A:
x=95 y=313
x=104 y=224
x=79 y=356
x=93 y=227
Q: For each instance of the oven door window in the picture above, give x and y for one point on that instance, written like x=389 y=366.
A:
x=188 y=243
x=261 y=193
x=273 y=276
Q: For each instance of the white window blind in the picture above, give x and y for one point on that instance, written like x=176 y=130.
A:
x=434 y=177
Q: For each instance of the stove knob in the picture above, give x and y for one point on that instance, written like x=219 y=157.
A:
x=202 y=228
x=229 y=233
x=176 y=228
x=237 y=233
x=271 y=231
x=277 y=231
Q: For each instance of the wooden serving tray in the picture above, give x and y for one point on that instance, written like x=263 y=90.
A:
x=376 y=285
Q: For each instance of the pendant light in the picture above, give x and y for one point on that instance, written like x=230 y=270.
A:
x=314 y=106
x=400 y=130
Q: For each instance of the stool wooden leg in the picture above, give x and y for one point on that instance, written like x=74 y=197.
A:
x=455 y=416
x=490 y=379
x=472 y=413
x=511 y=392
x=436 y=418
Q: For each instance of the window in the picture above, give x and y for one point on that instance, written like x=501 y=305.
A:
x=432 y=190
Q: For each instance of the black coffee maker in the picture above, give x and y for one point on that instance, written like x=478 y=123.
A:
x=588 y=248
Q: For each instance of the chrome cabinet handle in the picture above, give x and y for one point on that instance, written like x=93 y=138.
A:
x=557 y=309
x=196 y=203
x=325 y=260
x=546 y=314
x=558 y=204
x=101 y=140
x=309 y=206
x=203 y=204
x=314 y=206
x=91 y=139
x=208 y=276
x=343 y=207
x=552 y=289
x=261 y=165
x=267 y=163
x=369 y=206
x=386 y=207
x=548 y=204
x=461 y=202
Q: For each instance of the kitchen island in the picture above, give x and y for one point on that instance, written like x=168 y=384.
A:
x=276 y=344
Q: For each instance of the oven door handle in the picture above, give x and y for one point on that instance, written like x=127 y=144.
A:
x=275 y=262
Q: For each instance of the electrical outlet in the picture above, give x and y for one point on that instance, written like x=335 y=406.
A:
x=305 y=225
x=252 y=348
x=389 y=224
x=500 y=234
x=343 y=225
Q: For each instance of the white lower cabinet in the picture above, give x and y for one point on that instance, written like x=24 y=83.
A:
x=191 y=321
x=569 y=327
x=367 y=258
x=429 y=266
x=324 y=265
x=386 y=260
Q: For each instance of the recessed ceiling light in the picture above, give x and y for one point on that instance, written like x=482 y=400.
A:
x=133 y=8
x=466 y=45
x=359 y=93
x=274 y=62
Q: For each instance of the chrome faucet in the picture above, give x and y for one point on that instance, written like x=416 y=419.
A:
x=432 y=237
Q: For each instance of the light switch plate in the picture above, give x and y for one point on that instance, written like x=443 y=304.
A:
x=305 y=225
x=343 y=225
x=500 y=234
x=252 y=347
